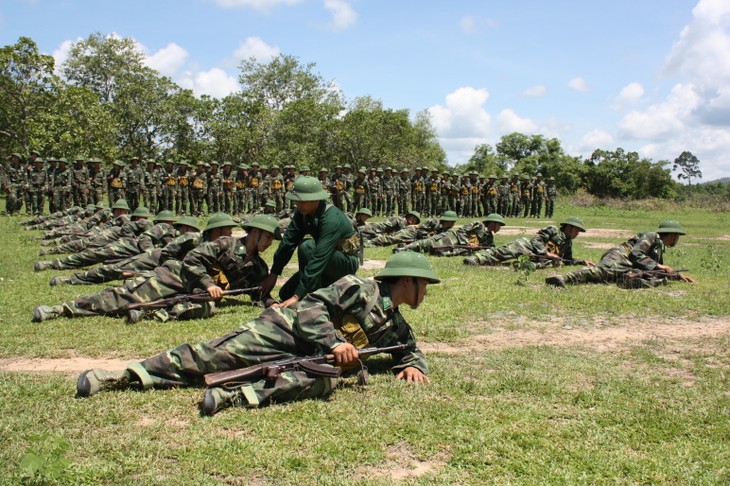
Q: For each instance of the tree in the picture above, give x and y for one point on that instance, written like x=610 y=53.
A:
x=486 y=161
x=689 y=165
x=27 y=92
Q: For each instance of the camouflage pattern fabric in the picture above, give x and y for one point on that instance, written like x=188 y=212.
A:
x=312 y=326
x=442 y=244
x=549 y=239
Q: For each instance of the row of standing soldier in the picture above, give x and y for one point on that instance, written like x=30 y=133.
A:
x=195 y=189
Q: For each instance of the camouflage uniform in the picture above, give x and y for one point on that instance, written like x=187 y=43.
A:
x=514 y=197
x=112 y=234
x=168 y=187
x=465 y=207
x=198 y=189
x=525 y=198
x=37 y=180
x=418 y=190
x=241 y=188
x=403 y=188
x=80 y=183
x=215 y=189
x=97 y=181
x=538 y=196
x=389 y=192
x=389 y=225
x=503 y=191
x=151 y=195
x=220 y=262
x=275 y=188
x=490 y=195
x=228 y=183
x=322 y=320
x=15 y=179
x=134 y=175
x=644 y=252
x=116 y=182
x=62 y=187
x=551 y=194
x=549 y=239
x=362 y=190
x=182 y=193
x=442 y=244
x=375 y=191
x=433 y=195
x=252 y=188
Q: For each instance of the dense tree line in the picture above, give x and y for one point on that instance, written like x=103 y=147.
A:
x=104 y=102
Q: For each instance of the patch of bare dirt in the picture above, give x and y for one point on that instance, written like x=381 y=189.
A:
x=613 y=338
x=65 y=365
x=599 y=246
x=720 y=238
x=617 y=234
x=373 y=264
x=401 y=465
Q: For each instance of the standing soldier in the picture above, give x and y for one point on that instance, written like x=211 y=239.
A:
x=80 y=182
x=97 y=180
x=275 y=187
x=445 y=186
x=198 y=187
x=404 y=192
x=362 y=189
x=262 y=193
x=538 y=195
x=149 y=193
x=475 y=192
x=182 y=195
x=525 y=197
x=168 y=186
x=454 y=192
x=215 y=188
x=374 y=185
x=50 y=171
x=490 y=195
x=514 y=196
x=551 y=194
x=324 y=179
x=347 y=174
x=338 y=188
x=62 y=185
x=241 y=182
x=135 y=183
x=116 y=182
x=27 y=190
x=504 y=191
x=254 y=181
x=389 y=192
x=228 y=183
x=433 y=193
x=14 y=181
x=38 y=186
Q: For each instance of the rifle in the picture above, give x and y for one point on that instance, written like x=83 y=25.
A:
x=196 y=297
x=655 y=274
x=470 y=249
x=273 y=369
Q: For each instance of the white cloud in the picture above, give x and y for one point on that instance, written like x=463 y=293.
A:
x=262 y=6
x=168 y=60
x=509 y=122
x=533 y=91
x=474 y=25
x=343 y=15
x=596 y=139
x=256 y=47
x=629 y=95
x=579 y=84
x=664 y=119
x=61 y=53
x=214 y=82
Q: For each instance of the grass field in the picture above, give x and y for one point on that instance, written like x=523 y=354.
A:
x=531 y=384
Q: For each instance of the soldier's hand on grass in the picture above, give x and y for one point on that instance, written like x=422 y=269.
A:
x=345 y=354
x=288 y=302
x=215 y=292
x=412 y=375
x=685 y=278
x=664 y=268
x=267 y=285
x=590 y=263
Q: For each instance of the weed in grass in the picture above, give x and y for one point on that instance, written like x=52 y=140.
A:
x=46 y=462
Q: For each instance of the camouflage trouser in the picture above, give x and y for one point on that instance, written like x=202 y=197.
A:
x=514 y=201
x=77 y=245
x=196 y=202
x=240 y=201
x=97 y=195
x=132 y=197
x=228 y=204
x=526 y=203
x=339 y=265
x=118 y=271
x=504 y=208
x=549 y=207
x=158 y=284
x=182 y=195
x=267 y=338
x=433 y=209
x=80 y=195
x=510 y=251
x=36 y=198
x=115 y=194
x=404 y=199
x=405 y=235
x=214 y=201
x=609 y=268
x=419 y=201
x=361 y=201
x=389 y=203
x=491 y=205
x=14 y=199
x=278 y=197
x=123 y=248
x=150 y=200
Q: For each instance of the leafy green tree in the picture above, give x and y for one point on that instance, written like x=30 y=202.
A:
x=27 y=93
x=486 y=161
x=689 y=165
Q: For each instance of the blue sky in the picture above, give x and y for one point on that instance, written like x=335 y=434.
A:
x=651 y=75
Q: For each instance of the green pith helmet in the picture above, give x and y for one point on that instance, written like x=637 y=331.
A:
x=404 y=170
x=187 y=221
x=165 y=215
x=408 y=264
x=307 y=189
x=305 y=169
x=141 y=212
x=574 y=221
x=551 y=179
x=100 y=205
x=494 y=218
x=362 y=170
x=263 y=222
x=121 y=204
x=364 y=211
x=118 y=163
x=91 y=207
x=324 y=169
x=670 y=226
x=449 y=216
x=39 y=160
x=270 y=203
x=219 y=220
x=62 y=160
x=492 y=176
x=414 y=213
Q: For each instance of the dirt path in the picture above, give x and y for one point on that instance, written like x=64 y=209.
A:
x=680 y=334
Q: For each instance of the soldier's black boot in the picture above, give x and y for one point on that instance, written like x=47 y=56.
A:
x=218 y=398
x=91 y=382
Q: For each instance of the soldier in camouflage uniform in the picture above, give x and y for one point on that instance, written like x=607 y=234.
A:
x=241 y=181
x=362 y=189
x=503 y=191
x=374 y=186
x=189 y=238
x=465 y=207
x=538 y=195
x=550 y=243
x=150 y=195
x=275 y=189
x=349 y=177
x=116 y=181
x=198 y=189
x=14 y=180
x=551 y=194
x=351 y=314
x=38 y=185
x=415 y=232
x=254 y=181
x=168 y=186
x=228 y=184
x=134 y=175
x=215 y=188
x=97 y=181
x=433 y=194
x=403 y=192
x=514 y=196
x=62 y=185
x=459 y=241
x=525 y=197
x=389 y=192
x=50 y=171
x=220 y=263
x=390 y=225
x=182 y=194
x=644 y=251
x=490 y=195
x=80 y=182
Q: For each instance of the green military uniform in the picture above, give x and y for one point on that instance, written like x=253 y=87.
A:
x=551 y=240
x=116 y=181
x=38 y=182
x=80 y=182
x=551 y=194
x=457 y=241
x=198 y=189
x=362 y=189
x=135 y=183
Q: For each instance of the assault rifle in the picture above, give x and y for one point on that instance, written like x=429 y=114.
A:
x=273 y=369
x=195 y=297
x=470 y=249
x=655 y=274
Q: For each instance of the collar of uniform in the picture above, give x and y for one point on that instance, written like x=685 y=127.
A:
x=385 y=296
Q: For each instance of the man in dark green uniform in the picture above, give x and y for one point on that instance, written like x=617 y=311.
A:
x=351 y=314
x=330 y=254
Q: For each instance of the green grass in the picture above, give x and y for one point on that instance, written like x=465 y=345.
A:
x=650 y=411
